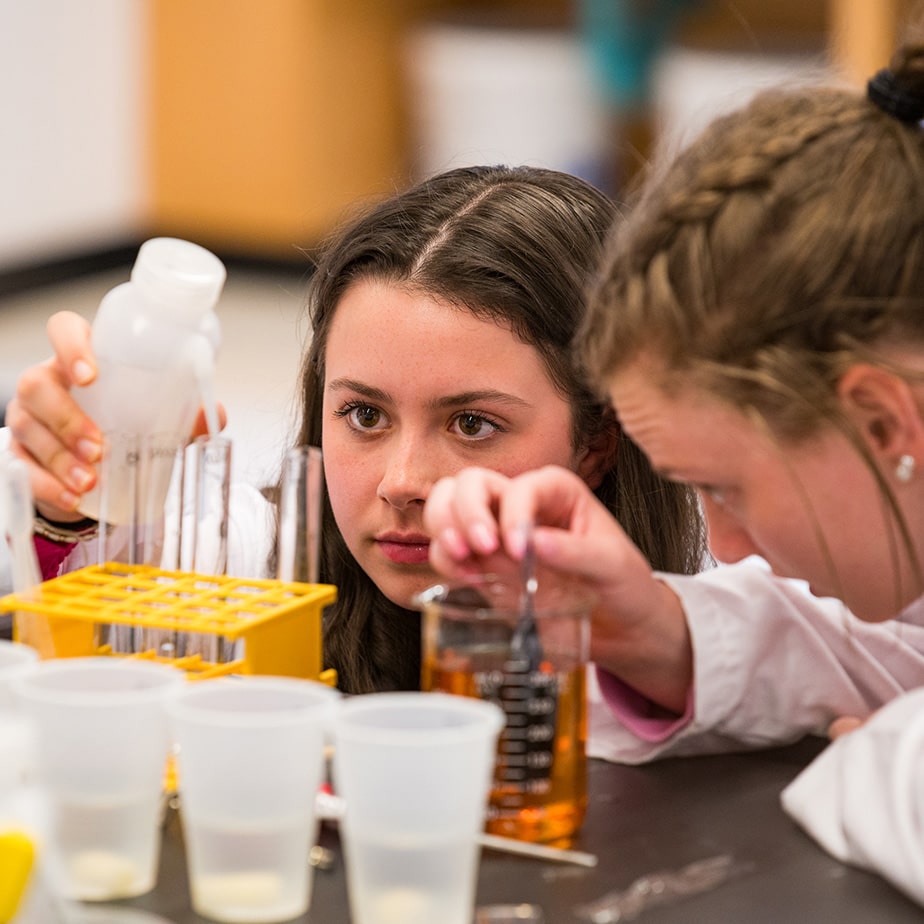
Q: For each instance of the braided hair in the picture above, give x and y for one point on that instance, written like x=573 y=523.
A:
x=780 y=247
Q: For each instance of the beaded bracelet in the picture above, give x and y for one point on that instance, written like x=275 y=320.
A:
x=65 y=533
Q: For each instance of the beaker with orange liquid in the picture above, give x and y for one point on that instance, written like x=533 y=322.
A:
x=539 y=792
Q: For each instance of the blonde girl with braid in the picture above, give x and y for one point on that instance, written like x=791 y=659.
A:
x=758 y=326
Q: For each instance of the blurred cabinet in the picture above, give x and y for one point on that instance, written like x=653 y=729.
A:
x=270 y=118
x=863 y=34
x=722 y=52
x=71 y=80
x=859 y=35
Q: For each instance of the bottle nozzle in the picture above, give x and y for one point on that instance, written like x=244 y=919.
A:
x=202 y=360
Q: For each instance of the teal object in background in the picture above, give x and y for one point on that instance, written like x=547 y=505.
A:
x=623 y=38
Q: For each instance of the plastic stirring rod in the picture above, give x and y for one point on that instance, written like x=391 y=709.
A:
x=525 y=644
x=18 y=513
x=331 y=807
x=20 y=520
x=209 y=406
x=540 y=851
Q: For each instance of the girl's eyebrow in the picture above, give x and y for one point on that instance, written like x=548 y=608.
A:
x=367 y=391
x=474 y=397
x=447 y=401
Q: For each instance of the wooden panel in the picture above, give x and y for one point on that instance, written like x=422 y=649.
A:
x=269 y=118
x=754 y=25
x=859 y=34
x=864 y=34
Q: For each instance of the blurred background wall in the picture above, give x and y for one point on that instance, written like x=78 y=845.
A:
x=73 y=110
x=252 y=126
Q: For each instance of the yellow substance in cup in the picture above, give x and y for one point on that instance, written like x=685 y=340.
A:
x=17 y=854
x=100 y=875
x=397 y=906
x=238 y=890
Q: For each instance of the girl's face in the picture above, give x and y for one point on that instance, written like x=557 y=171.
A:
x=416 y=389
x=812 y=510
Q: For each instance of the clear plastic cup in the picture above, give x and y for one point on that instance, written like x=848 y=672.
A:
x=103 y=744
x=250 y=758
x=16 y=659
x=414 y=770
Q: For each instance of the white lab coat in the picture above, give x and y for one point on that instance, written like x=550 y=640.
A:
x=772 y=663
x=251 y=533
x=862 y=798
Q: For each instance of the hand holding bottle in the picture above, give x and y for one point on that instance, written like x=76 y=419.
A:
x=50 y=430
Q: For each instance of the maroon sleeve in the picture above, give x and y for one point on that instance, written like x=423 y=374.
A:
x=51 y=555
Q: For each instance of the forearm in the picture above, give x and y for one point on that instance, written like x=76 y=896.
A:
x=653 y=655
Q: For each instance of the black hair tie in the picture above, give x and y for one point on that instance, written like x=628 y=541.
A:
x=892 y=98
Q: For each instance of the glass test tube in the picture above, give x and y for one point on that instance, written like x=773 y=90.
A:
x=135 y=476
x=204 y=545
x=299 y=536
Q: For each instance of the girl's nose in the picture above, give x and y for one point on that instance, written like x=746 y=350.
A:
x=408 y=474
x=728 y=540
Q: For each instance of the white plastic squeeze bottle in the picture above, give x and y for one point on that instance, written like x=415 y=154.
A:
x=155 y=339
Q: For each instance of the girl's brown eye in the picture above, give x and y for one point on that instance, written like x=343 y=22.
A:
x=470 y=424
x=366 y=416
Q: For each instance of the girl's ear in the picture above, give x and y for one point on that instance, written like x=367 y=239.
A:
x=600 y=455
x=884 y=408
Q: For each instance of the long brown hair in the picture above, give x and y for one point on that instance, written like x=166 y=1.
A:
x=517 y=246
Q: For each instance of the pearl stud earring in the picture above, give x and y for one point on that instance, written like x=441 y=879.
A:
x=904 y=471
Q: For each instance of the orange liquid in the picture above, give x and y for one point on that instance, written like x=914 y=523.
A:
x=549 y=805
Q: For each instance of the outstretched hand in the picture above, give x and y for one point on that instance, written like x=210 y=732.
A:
x=49 y=430
x=843 y=726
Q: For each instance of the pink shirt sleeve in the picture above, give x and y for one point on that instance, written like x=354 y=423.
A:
x=639 y=715
x=51 y=555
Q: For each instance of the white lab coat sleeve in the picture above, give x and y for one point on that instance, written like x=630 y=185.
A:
x=862 y=798
x=251 y=534
x=771 y=664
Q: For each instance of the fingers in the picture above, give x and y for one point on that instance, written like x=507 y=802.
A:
x=50 y=431
x=59 y=475
x=43 y=398
x=478 y=512
x=549 y=497
x=43 y=392
x=843 y=725
x=459 y=513
x=69 y=334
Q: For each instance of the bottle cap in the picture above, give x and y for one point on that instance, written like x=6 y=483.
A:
x=179 y=273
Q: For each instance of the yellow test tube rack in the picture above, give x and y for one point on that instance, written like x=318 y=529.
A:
x=279 y=623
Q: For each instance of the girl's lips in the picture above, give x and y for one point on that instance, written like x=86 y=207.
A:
x=413 y=550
